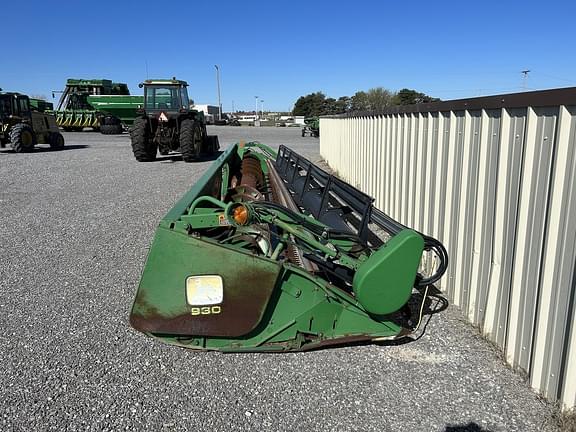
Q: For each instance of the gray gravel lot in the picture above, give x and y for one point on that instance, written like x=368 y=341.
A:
x=74 y=232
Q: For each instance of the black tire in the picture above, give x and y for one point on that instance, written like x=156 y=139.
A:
x=73 y=128
x=111 y=129
x=142 y=145
x=303 y=133
x=56 y=141
x=190 y=140
x=22 y=138
x=211 y=144
x=199 y=137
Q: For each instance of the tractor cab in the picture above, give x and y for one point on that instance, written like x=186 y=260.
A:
x=14 y=107
x=166 y=96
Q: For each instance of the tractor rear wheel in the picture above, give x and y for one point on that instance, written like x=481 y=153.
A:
x=143 y=147
x=211 y=144
x=22 y=138
x=56 y=140
x=190 y=140
x=111 y=129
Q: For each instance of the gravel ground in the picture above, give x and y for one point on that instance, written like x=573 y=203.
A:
x=74 y=232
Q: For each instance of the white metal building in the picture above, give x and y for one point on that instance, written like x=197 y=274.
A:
x=494 y=179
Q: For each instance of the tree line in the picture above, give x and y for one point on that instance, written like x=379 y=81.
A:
x=373 y=100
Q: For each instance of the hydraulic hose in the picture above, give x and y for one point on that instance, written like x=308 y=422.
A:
x=430 y=245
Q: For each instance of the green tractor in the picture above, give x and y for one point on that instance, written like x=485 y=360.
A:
x=23 y=127
x=167 y=123
x=312 y=127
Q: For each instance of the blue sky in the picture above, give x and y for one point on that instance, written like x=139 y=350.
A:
x=280 y=50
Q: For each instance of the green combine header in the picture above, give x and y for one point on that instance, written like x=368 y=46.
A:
x=267 y=252
x=99 y=104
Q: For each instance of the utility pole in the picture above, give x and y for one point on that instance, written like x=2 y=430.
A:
x=218 y=84
x=256 y=110
x=525 y=78
x=233 y=110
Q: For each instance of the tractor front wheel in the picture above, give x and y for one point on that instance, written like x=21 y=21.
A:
x=190 y=140
x=22 y=138
x=142 y=145
x=56 y=141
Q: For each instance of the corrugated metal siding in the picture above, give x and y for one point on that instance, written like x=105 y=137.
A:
x=498 y=188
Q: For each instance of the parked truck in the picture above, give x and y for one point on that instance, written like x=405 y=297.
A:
x=97 y=103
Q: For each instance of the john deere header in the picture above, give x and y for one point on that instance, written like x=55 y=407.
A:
x=267 y=252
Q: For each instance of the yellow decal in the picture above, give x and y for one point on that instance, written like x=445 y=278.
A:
x=206 y=310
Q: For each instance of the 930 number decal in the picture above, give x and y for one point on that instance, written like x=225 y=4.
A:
x=205 y=310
